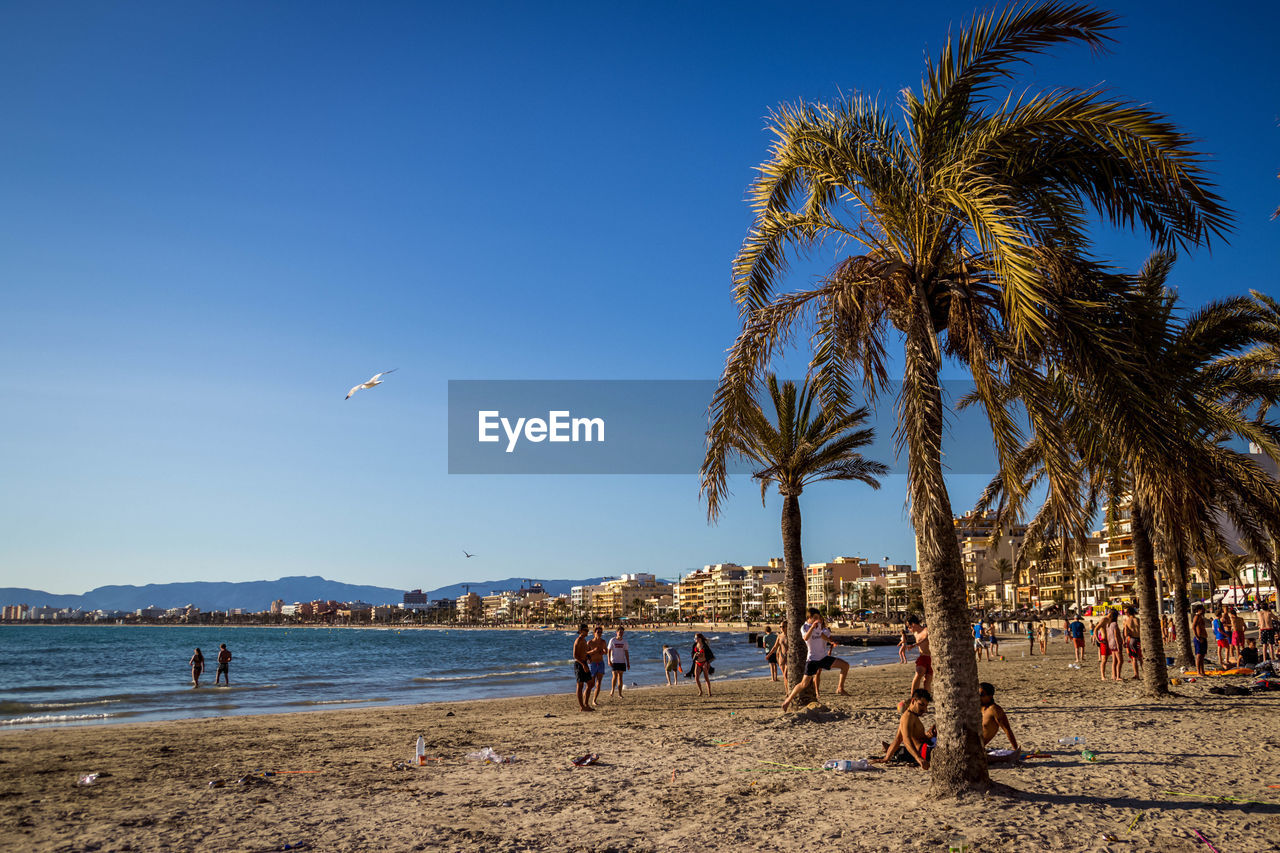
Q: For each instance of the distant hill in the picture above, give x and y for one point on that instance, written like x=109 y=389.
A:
x=256 y=595
x=553 y=587
x=207 y=595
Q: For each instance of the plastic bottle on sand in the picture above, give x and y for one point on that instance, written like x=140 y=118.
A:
x=1076 y=740
x=420 y=752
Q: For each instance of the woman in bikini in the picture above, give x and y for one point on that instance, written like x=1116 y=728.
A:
x=197 y=667
x=702 y=658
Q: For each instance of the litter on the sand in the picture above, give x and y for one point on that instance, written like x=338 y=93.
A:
x=1135 y=820
x=846 y=766
x=488 y=756
x=584 y=760
x=1206 y=842
x=88 y=779
x=788 y=766
x=1220 y=799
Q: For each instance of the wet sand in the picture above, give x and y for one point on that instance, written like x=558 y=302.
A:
x=723 y=796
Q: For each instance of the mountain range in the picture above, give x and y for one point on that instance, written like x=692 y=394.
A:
x=254 y=595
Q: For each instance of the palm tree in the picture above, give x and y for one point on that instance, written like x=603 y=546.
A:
x=968 y=218
x=1004 y=569
x=800 y=444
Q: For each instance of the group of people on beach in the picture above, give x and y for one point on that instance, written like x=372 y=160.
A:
x=591 y=652
x=224 y=667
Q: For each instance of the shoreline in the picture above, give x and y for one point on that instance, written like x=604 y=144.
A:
x=675 y=771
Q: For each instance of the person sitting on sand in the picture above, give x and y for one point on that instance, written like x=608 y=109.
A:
x=1199 y=637
x=911 y=742
x=993 y=717
x=1249 y=654
x=924 y=663
x=582 y=670
x=197 y=667
x=818 y=638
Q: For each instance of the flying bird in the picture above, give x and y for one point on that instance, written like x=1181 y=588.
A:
x=375 y=380
x=468 y=555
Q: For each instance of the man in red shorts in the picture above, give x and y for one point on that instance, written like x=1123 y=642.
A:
x=923 y=678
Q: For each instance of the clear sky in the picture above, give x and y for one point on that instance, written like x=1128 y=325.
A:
x=215 y=218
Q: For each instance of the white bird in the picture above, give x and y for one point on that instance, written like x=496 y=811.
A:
x=375 y=380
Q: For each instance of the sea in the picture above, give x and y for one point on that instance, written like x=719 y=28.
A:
x=77 y=675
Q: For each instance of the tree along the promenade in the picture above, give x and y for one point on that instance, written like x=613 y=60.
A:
x=796 y=444
x=1205 y=379
x=965 y=217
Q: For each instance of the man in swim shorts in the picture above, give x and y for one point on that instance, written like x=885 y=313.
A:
x=619 y=661
x=1133 y=638
x=581 y=670
x=769 y=644
x=923 y=679
x=1199 y=637
x=1222 y=636
x=1267 y=631
x=224 y=666
x=1075 y=631
x=911 y=742
x=817 y=637
x=596 y=650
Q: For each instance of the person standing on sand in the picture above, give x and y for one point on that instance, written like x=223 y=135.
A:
x=224 y=666
x=619 y=661
x=769 y=643
x=923 y=679
x=1031 y=637
x=702 y=658
x=1199 y=637
x=197 y=667
x=1267 y=631
x=818 y=638
x=993 y=641
x=780 y=650
x=1222 y=636
x=1133 y=639
x=670 y=663
x=1075 y=633
x=1112 y=633
x=903 y=642
x=1044 y=637
x=596 y=650
x=582 y=669
x=1237 y=634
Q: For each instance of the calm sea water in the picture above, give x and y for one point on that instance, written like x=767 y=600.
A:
x=54 y=675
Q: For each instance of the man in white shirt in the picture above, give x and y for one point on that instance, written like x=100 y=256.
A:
x=619 y=662
x=818 y=638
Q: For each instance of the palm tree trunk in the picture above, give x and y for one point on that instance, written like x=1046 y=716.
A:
x=794 y=588
x=1155 y=675
x=1182 y=606
x=960 y=762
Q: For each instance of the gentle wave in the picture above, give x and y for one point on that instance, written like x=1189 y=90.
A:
x=54 y=718
x=483 y=675
x=23 y=707
x=336 y=701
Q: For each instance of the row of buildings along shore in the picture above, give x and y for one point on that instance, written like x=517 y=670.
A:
x=997 y=577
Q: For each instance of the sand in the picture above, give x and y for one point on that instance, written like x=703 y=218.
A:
x=157 y=796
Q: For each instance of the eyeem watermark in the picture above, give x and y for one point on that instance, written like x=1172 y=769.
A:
x=559 y=426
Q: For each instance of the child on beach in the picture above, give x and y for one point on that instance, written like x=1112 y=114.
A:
x=670 y=663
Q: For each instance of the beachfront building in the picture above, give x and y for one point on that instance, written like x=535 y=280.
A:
x=761 y=588
x=469 y=607
x=15 y=612
x=415 y=599
x=825 y=583
x=902 y=585
x=983 y=544
x=627 y=595
x=582 y=597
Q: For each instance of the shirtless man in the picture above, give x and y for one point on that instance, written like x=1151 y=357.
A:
x=1199 y=637
x=1109 y=646
x=581 y=669
x=1133 y=638
x=911 y=742
x=1267 y=631
x=923 y=679
x=596 y=650
x=993 y=717
x=1237 y=634
x=224 y=667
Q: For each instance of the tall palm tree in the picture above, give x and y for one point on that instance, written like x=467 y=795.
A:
x=1004 y=569
x=797 y=444
x=966 y=215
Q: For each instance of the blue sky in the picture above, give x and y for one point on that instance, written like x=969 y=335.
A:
x=216 y=218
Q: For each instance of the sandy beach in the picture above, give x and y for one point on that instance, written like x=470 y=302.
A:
x=154 y=792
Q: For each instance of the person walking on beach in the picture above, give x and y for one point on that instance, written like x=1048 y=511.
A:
x=670 y=664
x=582 y=670
x=818 y=638
x=597 y=648
x=224 y=666
x=197 y=667
x=1199 y=637
x=1075 y=631
x=1133 y=639
x=619 y=661
x=903 y=642
x=702 y=658
x=769 y=643
x=1267 y=631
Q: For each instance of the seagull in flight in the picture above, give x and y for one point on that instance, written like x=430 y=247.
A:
x=375 y=380
x=468 y=555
